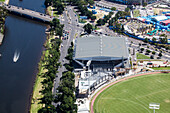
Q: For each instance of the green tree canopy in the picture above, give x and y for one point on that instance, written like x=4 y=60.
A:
x=88 y=28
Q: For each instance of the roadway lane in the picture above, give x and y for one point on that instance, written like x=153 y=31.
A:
x=73 y=29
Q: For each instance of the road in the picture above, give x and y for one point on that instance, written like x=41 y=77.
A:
x=68 y=17
x=109 y=4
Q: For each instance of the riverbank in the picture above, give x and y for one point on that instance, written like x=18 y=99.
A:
x=1 y=38
x=37 y=87
x=35 y=102
x=3 y=27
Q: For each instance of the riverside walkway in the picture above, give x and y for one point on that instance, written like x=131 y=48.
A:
x=27 y=13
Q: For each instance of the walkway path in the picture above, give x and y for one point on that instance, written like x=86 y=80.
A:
x=94 y=98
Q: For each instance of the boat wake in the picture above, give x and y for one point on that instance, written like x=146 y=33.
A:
x=16 y=56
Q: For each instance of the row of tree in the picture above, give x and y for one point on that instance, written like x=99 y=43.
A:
x=105 y=19
x=56 y=28
x=57 y=4
x=51 y=65
x=82 y=7
x=66 y=90
x=3 y=14
x=117 y=26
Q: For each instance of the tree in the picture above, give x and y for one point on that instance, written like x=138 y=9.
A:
x=113 y=8
x=148 y=51
x=146 y=40
x=160 y=54
x=110 y=14
x=152 y=57
x=100 y=22
x=93 y=17
x=144 y=4
x=153 y=52
x=167 y=47
x=91 y=2
x=154 y=39
x=66 y=95
x=142 y=49
x=59 y=6
x=127 y=9
x=88 y=28
x=164 y=40
x=48 y=3
x=130 y=7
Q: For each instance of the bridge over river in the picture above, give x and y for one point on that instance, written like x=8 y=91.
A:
x=27 y=13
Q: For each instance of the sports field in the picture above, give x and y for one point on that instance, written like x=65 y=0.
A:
x=134 y=95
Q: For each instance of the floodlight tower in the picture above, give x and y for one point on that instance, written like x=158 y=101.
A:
x=154 y=106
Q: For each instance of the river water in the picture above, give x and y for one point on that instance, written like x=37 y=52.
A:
x=26 y=37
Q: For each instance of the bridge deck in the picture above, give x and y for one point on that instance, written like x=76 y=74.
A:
x=27 y=12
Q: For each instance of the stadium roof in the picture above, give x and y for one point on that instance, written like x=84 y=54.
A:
x=101 y=47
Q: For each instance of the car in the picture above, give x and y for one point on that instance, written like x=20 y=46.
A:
x=63 y=60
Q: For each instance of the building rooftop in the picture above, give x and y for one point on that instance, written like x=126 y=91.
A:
x=100 y=46
x=160 y=18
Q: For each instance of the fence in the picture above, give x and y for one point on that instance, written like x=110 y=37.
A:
x=121 y=77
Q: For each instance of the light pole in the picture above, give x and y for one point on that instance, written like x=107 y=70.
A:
x=154 y=106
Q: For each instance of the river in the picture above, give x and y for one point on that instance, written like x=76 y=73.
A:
x=16 y=79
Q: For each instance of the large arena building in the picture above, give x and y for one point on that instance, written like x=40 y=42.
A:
x=100 y=52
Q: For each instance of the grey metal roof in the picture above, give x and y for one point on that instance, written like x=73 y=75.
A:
x=100 y=46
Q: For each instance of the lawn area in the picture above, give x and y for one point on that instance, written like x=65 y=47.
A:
x=136 y=13
x=49 y=9
x=35 y=106
x=161 y=68
x=2 y=0
x=141 y=56
x=135 y=94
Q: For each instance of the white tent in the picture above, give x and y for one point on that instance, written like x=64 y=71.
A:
x=159 y=18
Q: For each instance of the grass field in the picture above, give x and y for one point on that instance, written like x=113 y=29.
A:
x=135 y=94
x=35 y=105
x=141 y=56
x=2 y=0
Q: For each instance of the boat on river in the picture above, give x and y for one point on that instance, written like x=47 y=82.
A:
x=16 y=56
